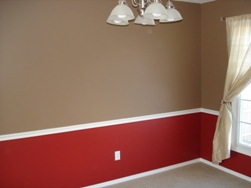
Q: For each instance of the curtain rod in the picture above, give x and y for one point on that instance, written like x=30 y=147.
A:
x=222 y=19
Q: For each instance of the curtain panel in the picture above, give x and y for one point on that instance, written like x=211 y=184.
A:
x=238 y=76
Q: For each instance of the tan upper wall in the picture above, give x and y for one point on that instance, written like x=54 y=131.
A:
x=214 y=47
x=61 y=64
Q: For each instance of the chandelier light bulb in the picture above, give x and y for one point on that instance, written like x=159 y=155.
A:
x=117 y=21
x=121 y=16
x=156 y=15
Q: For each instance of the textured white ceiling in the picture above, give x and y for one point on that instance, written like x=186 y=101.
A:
x=196 y=1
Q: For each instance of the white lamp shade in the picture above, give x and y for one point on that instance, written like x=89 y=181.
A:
x=173 y=16
x=122 y=12
x=155 y=11
x=115 y=21
x=144 y=21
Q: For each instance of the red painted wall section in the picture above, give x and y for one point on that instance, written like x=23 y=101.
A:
x=237 y=162
x=207 y=128
x=82 y=158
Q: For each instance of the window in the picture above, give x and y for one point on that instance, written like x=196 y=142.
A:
x=241 y=134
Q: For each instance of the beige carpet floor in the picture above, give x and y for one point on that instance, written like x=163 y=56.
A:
x=198 y=175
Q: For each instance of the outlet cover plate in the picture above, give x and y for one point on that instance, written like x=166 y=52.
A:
x=117 y=155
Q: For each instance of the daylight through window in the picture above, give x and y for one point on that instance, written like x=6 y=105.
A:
x=245 y=117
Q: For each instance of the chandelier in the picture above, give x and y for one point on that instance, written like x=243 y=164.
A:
x=148 y=11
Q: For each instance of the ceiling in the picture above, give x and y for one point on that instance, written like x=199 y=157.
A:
x=196 y=1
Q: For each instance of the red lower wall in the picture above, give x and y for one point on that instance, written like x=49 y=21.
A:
x=80 y=158
x=237 y=162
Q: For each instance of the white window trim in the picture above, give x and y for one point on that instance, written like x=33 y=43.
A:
x=236 y=146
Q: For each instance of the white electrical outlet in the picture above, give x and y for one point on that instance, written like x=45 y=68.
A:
x=117 y=155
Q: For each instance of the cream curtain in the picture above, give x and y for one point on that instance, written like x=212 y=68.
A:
x=237 y=78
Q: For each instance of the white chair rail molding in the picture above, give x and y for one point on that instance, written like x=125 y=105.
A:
x=148 y=12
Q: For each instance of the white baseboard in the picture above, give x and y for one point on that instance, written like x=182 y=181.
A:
x=152 y=172
x=144 y=174
x=226 y=170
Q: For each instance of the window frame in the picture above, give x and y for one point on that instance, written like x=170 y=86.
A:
x=235 y=145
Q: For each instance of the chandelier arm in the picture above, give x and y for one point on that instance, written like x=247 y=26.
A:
x=148 y=2
x=135 y=3
x=153 y=1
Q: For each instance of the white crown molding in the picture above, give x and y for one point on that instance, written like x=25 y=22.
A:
x=101 y=124
x=196 y=1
